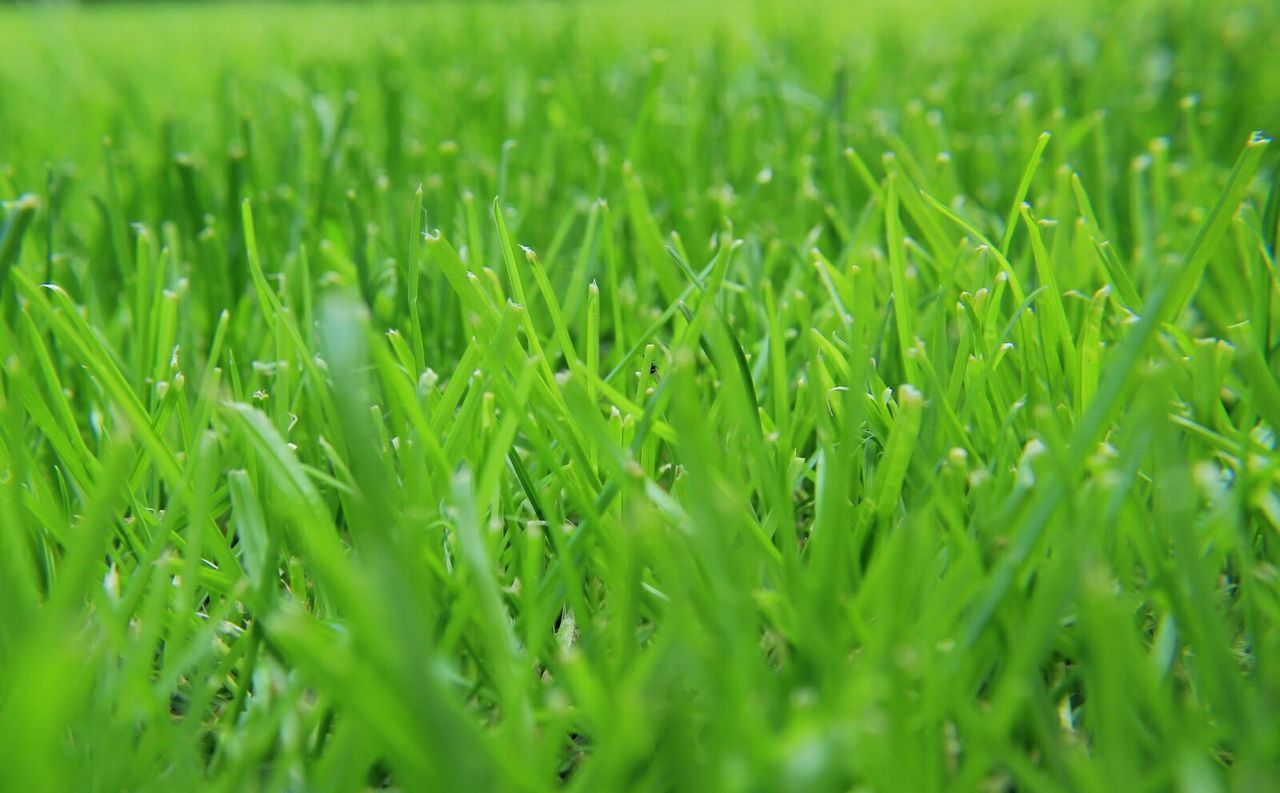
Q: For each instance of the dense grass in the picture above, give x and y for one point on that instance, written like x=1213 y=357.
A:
x=830 y=399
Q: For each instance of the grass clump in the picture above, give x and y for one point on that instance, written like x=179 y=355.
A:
x=830 y=399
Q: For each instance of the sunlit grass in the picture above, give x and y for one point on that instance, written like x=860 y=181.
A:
x=633 y=397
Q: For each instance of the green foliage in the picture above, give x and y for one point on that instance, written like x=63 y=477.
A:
x=830 y=399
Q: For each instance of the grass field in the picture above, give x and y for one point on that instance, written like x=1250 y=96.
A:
x=640 y=396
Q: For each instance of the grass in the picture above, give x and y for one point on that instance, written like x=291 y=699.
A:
x=830 y=398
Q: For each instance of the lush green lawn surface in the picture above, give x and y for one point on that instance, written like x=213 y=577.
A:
x=847 y=398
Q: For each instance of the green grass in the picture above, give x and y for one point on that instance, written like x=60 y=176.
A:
x=830 y=399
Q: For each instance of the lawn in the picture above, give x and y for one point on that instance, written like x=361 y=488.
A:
x=640 y=396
